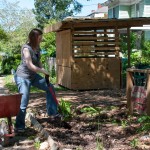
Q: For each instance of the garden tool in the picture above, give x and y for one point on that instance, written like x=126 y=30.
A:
x=63 y=123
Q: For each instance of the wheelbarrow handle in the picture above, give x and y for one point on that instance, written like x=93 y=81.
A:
x=47 y=79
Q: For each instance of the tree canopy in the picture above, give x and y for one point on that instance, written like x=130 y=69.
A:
x=54 y=9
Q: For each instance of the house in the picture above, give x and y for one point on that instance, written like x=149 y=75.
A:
x=101 y=12
x=121 y=9
x=128 y=8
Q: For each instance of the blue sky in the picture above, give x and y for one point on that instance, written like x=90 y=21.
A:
x=88 y=6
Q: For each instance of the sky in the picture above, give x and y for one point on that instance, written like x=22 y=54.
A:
x=88 y=6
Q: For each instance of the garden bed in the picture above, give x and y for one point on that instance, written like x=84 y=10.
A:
x=99 y=121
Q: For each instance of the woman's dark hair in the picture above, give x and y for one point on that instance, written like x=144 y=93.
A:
x=33 y=36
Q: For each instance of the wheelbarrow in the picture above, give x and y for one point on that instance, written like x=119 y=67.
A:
x=9 y=107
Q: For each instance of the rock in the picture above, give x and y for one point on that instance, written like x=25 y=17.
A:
x=44 y=146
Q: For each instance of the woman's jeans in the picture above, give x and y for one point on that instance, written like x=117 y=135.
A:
x=24 y=86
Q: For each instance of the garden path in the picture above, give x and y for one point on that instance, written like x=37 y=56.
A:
x=3 y=90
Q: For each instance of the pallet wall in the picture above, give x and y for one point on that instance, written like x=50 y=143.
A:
x=88 y=59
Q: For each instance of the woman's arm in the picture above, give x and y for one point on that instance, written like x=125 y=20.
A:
x=29 y=63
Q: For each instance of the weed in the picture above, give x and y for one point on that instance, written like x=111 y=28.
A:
x=99 y=144
x=65 y=109
x=145 y=121
x=79 y=148
x=37 y=144
x=134 y=143
x=32 y=137
x=124 y=123
x=91 y=110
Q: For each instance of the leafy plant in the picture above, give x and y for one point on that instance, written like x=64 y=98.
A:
x=134 y=143
x=37 y=144
x=65 y=108
x=47 y=10
x=145 y=121
x=124 y=123
x=91 y=110
x=99 y=144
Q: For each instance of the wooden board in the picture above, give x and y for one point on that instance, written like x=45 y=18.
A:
x=64 y=76
x=96 y=73
x=64 y=48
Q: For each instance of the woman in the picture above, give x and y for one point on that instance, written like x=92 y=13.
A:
x=27 y=76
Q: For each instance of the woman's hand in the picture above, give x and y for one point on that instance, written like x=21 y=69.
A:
x=45 y=72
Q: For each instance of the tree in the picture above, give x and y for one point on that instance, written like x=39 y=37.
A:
x=17 y=23
x=54 y=9
x=3 y=34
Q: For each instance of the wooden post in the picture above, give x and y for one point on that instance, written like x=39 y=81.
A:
x=129 y=46
x=128 y=91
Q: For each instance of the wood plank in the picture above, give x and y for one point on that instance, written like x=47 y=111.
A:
x=128 y=92
x=98 y=24
x=64 y=48
x=89 y=32
x=96 y=51
x=94 y=73
x=95 y=38
x=99 y=48
x=95 y=54
x=93 y=43
x=64 y=76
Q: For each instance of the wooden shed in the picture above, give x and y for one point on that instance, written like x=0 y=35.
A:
x=87 y=51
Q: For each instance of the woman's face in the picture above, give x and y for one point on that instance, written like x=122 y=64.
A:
x=39 y=39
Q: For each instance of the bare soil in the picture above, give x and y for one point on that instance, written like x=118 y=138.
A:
x=111 y=129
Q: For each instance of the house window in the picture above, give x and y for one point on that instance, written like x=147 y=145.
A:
x=137 y=9
x=114 y=13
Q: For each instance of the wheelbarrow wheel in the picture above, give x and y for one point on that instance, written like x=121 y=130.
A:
x=3 y=133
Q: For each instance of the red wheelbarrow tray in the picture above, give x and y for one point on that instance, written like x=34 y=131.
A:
x=9 y=105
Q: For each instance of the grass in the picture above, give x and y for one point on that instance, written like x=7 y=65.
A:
x=9 y=84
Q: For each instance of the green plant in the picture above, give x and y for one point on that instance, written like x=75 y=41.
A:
x=65 y=109
x=99 y=144
x=134 y=143
x=32 y=137
x=91 y=110
x=145 y=123
x=79 y=148
x=124 y=123
x=37 y=144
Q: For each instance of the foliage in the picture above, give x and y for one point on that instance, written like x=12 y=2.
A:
x=99 y=144
x=145 y=121
x=49 y=44
x=134 y=143
x=54 y=9
x=65 y=108
x=16 y=17
x=124 y=123
x=3 y=34
x=16 y=25
x=37 y=144
x=10 y=62
x=48 y=47
x=124 y=46
x=91 y=110
x=145 y=52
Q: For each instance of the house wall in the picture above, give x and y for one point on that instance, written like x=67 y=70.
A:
x=110 y=13
x=114 y=12
x=146 y=8
x=133 y=14
x=124 y=11
x=147 y=35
